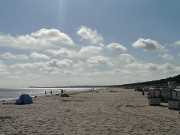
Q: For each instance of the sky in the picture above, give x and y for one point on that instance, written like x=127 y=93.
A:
x=88 y=42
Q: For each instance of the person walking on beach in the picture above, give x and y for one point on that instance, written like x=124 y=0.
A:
x=51 y=92
x=45 y=92
x=142 y=92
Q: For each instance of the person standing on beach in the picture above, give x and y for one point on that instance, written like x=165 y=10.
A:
x=51 y=92
x=142 y=92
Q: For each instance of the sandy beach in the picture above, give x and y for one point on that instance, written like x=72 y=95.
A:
x=104 y=112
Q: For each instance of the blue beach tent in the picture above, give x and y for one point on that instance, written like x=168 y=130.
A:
x=24 y=99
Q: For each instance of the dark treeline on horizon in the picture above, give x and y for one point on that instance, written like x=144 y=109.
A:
x=161 y=82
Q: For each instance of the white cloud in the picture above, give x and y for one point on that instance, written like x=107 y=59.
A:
x=121 y=71
x=127 y=58
x=164 y=68
x=53 y=36
x=148 y=44
x=77 y=64
x=177 y=42
x=167 y=56
x=50 y=66
x=42 y=39
x=99 y=60
x=167 y=67
x=92 y=35
x=89 y=51
x=84 y=52
x=63 y=52
x=56 y=65
x=36 y=55
x=150 y=71
x=22 y=56
x=8 y=55
x=3 y=69
x=24 y=65
x=116 y=46
x=60 y=63
x=102 y=45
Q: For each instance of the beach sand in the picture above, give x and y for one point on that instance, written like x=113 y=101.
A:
x=112 y=111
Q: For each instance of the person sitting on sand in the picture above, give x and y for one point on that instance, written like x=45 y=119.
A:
x=64 y=94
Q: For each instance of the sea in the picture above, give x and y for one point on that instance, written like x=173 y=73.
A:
x=11 y=94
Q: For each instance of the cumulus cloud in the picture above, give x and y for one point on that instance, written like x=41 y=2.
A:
x=165 y=68
x=177 y=43
x=89 y=51
x=55 y=65
x=63 y=52
x=116 y=46
x=121 y=71
x=24 y=65
x=127 y=58
x=3 y=68
x=60 y=63
x=82 y=62
x=98 y=60
x=42 y=39
x=102 y=45
x=50 y=66
x=84 y=52
x=167 y=56
x=53 y=36
x=92 y=35
x=8 y=55
x=148 y=44
x=36 y=55
x=22 y=56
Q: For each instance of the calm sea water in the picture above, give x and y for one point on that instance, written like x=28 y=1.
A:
x=10 y=94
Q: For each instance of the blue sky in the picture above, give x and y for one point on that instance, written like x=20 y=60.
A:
x=67 y=42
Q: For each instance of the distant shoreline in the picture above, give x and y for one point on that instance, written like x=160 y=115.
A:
x=68 y=86
x=11 y=94
x=161 y=82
